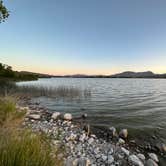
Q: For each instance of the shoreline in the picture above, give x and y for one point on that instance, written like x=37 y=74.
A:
x=83 y=146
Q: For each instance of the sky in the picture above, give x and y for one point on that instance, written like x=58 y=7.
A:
x=84 y=36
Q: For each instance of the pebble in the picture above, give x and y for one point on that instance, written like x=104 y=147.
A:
x=154 y=157
x=121 y=141
x=91 y=140
x=82 y=149
x=55 y=115
x=133 y=159
x=113 y=131
x=96 y=150
x=125 y=151
x=104 y=157
x=150 y=162
x=82 y=137
x=110 y=159
x=67 y=116
x=123 y=133
x=34 y=116
x=141 y=157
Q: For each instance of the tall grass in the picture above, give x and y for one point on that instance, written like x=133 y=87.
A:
x=10 y=88
x=6 y=87
x=7 y=109
x=21 y=147
x=24 y=149
x=60 y=91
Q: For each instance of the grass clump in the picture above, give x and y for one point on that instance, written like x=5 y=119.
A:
x=24 y=149
x=19 y=146
x=7 y=109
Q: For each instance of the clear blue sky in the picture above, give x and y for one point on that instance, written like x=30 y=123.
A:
x=84 y=36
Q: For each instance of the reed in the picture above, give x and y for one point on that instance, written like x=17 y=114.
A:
x=60 y=91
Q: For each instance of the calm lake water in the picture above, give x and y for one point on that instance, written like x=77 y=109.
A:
x=136 y=104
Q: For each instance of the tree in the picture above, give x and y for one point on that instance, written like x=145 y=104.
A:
x=4 y=13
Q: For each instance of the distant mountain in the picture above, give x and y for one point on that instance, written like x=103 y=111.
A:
x=126 y=74
x=130 y=74
x=39 y=75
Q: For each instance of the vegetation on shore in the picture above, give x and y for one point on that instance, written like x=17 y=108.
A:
x=6 y=73
x=57 y=92
x=19 y=146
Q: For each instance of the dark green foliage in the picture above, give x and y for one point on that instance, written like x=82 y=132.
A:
x=6 y=72
x=4 y=13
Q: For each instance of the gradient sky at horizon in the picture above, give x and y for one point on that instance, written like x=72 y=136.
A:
x=84 y=36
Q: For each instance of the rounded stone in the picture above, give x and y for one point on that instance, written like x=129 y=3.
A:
x=125 y=151
x=55 y=115
x=150 y=162
x=67 y=116
x=121 y=141
x=123 y=133
x=154 y=157
x=113 y=131
x=141 y=157
x=133 y=159
x=34 y=116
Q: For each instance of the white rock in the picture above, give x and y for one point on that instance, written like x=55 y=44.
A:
x=82 y=137
x=93 y=135
x=111 y=150
x=154 y=157
x=91 y=140
x=34 y=116
x=141 y=157
x=133 y=159
x=150 y=162
x=96 y=150
x=98 y=156
x=67 y=116
x=123 y=133
x=110 y=159
x=113 y=131
x=104 y=157
x=55 y=115
x=121 y=141
x=125 y=151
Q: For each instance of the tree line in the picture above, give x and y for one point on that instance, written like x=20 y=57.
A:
x=6 y=72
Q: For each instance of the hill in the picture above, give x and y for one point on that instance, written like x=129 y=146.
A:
x=130 y=74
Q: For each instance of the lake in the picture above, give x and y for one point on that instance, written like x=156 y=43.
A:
x=136 y=104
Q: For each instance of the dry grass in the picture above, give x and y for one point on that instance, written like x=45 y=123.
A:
x=21 y=147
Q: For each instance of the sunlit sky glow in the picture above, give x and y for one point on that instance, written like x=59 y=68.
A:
x=84 y=36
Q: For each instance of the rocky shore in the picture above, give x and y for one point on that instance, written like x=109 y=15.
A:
x=81 y=146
